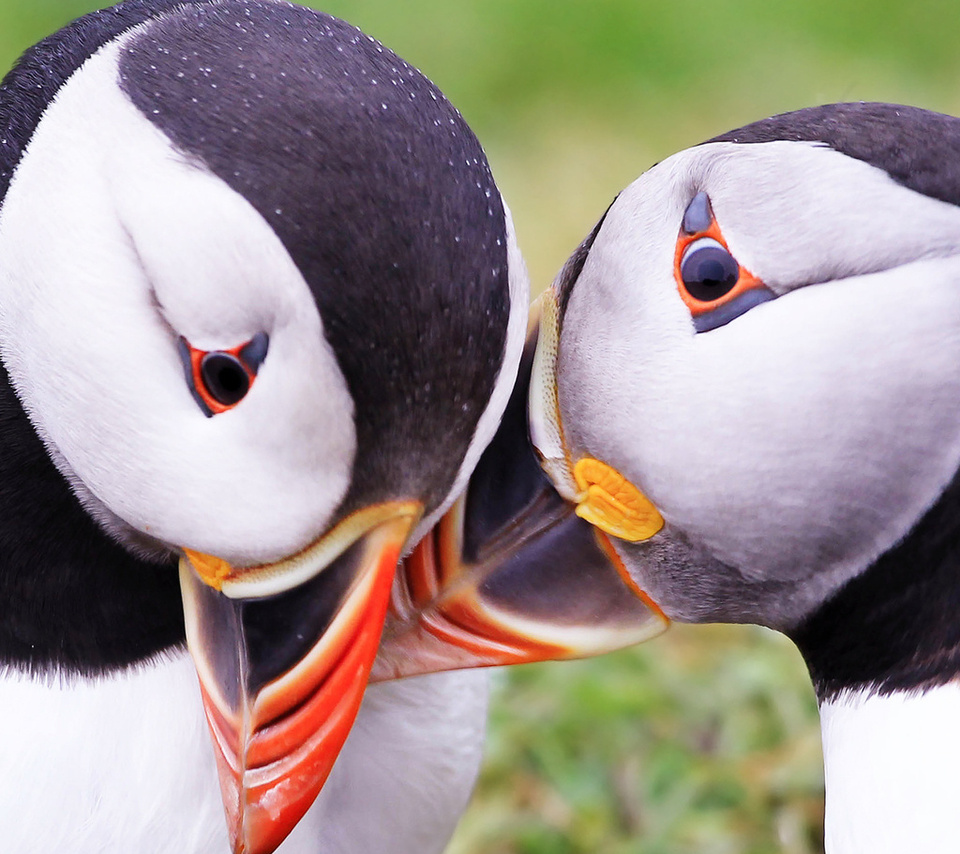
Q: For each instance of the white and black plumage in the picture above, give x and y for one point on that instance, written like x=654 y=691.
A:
x=255 y=277
x=747 y=380
x=763 y=336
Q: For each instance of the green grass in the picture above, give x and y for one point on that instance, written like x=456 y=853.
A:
x=704 y=740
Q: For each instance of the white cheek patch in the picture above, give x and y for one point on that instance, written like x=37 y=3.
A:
x=810 y=433
x=112 y=246
x=825 y=425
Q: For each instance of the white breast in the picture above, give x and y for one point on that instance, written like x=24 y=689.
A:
x=124 y=765
x=892 y=767
x=118 y=765
x=406 y=771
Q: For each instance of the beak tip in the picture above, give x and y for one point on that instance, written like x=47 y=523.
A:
x=276 y=736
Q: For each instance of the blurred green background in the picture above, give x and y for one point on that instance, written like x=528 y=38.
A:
x=704 y=740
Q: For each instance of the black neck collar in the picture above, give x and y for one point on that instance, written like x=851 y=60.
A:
x=894 y=627
x=73 y=600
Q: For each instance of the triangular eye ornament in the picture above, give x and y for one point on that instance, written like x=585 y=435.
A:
x=220 y=379
x=713 y=285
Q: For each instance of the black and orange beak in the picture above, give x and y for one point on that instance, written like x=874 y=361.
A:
x=283 y=653
x=515 y=572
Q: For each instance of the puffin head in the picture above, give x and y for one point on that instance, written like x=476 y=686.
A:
x=760 y=336
x=745 y=389
x=262 y=305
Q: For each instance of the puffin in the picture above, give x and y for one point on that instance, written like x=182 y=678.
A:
x=261 y=310
x=741 y=399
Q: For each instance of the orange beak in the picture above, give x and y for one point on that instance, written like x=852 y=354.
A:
x=512 y=573
x=283 y=664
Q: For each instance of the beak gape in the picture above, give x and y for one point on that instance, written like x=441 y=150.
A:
x=515 y=572
x=512 y=573
x=283 y=668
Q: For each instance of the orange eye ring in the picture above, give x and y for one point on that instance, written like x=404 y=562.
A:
x=746 y=281
x=220 y=379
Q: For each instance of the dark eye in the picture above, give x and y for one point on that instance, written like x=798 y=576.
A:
x=708 y=270
x=220 y=379
x=224 y=378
